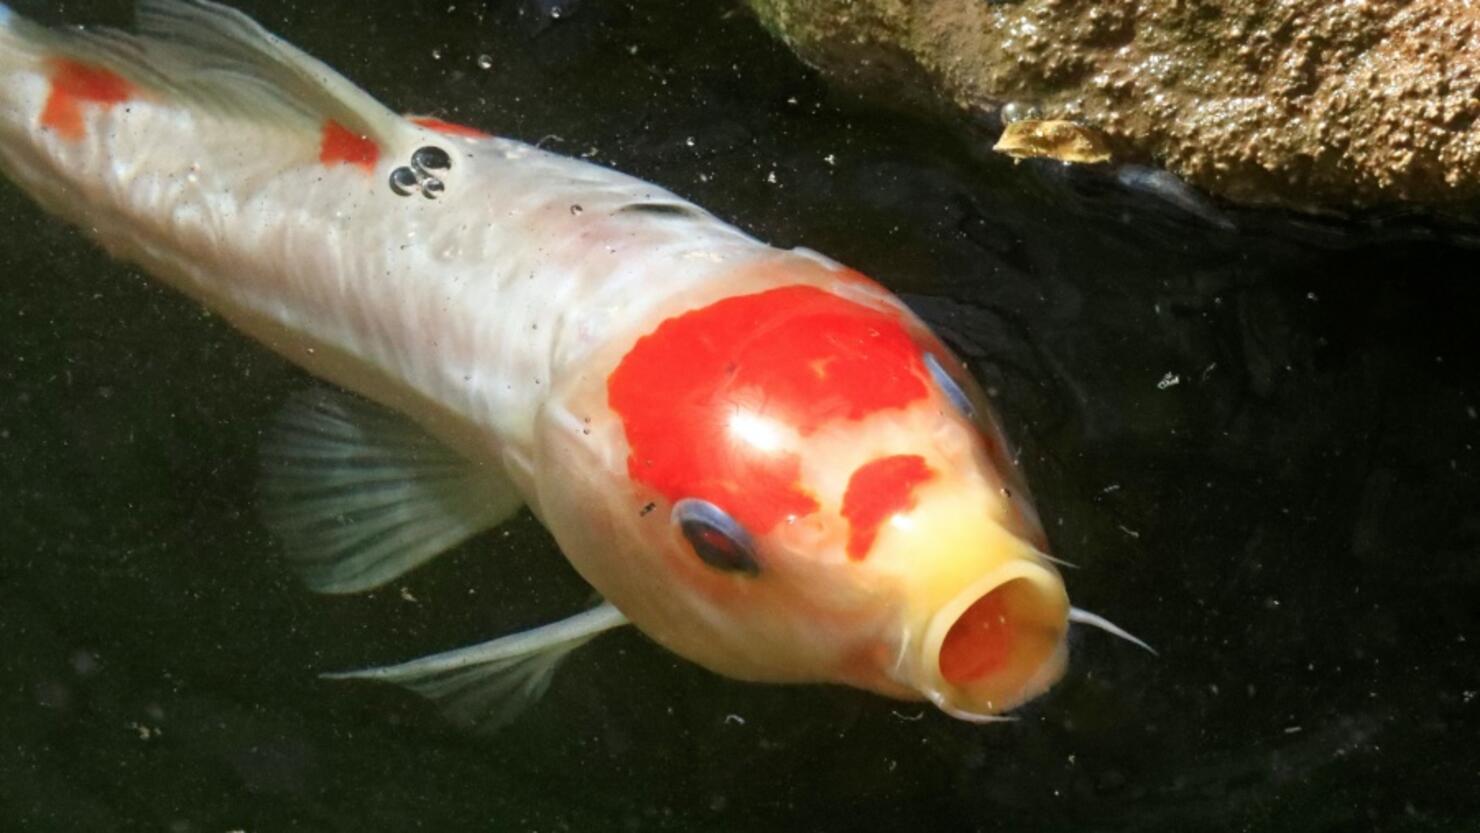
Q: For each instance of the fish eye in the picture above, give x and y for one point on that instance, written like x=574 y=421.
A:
x=432 y=159
x=949 y=387
x=716 y=538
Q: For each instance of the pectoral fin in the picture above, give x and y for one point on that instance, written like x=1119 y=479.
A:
x=486 y=686
x=360 y=495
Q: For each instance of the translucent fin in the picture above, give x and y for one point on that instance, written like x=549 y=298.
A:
x=22 y=42
x=360 y=496
x=487 y=686
x=1095 y=620
x=1168 y=186
x=221 y=61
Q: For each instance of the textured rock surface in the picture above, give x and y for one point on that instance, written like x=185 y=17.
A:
x=1315 y=104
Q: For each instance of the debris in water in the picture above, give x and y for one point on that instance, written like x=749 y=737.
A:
x=1065 y=141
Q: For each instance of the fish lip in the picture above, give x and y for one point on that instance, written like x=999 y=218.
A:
x=961 y=702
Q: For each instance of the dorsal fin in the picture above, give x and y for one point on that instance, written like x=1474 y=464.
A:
x=222 y=62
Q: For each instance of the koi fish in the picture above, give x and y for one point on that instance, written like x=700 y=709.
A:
x=760 y=458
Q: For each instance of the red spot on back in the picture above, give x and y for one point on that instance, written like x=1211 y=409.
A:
x=74 y=83
x=980 y=642
x=877 y=491
x=449 y=128
x=341 y=147
x=795 y=356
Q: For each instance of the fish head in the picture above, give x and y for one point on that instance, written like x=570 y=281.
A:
x=801 y=483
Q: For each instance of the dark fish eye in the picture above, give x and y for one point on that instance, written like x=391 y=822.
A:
x=431 y=158
x=948 y=386
x=716 y=538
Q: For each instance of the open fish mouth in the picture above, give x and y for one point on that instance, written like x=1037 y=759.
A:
x=998 y=643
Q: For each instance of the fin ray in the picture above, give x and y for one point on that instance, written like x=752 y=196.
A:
x=224 y=63
x=359 y=496
x=245 y=47
x=486 y=686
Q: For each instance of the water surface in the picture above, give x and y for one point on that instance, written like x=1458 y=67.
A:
x=1259 y=447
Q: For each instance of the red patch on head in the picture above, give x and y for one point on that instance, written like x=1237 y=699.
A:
x=877 y=491
x=980 y=642
x=795 y=357
x=341 y=147
x=74 y=83
x=448 y=128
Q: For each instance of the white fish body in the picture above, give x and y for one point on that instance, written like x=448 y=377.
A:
x=462 y=310
x=494 y=293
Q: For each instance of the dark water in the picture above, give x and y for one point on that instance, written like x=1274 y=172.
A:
x=1295 y=523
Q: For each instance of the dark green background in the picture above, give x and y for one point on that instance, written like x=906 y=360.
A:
x=1295 y=525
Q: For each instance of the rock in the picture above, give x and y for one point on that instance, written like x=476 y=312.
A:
x=1307 y=104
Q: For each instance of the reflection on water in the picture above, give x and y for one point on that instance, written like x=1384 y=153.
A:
x=1259 y=447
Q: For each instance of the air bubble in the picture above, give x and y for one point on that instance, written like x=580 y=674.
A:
x=1016 y=111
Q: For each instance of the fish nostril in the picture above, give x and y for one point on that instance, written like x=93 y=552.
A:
x=405 y=182
x=431 y=159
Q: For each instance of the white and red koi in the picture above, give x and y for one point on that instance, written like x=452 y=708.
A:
x=760 y=458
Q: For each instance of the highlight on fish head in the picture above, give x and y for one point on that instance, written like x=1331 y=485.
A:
x=799 y=483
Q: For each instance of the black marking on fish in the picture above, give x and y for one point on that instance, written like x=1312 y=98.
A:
x=658 y=209
x=421 y=175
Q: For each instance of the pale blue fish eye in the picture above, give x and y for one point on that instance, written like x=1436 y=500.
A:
x=949 y=387
x=716 y=538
